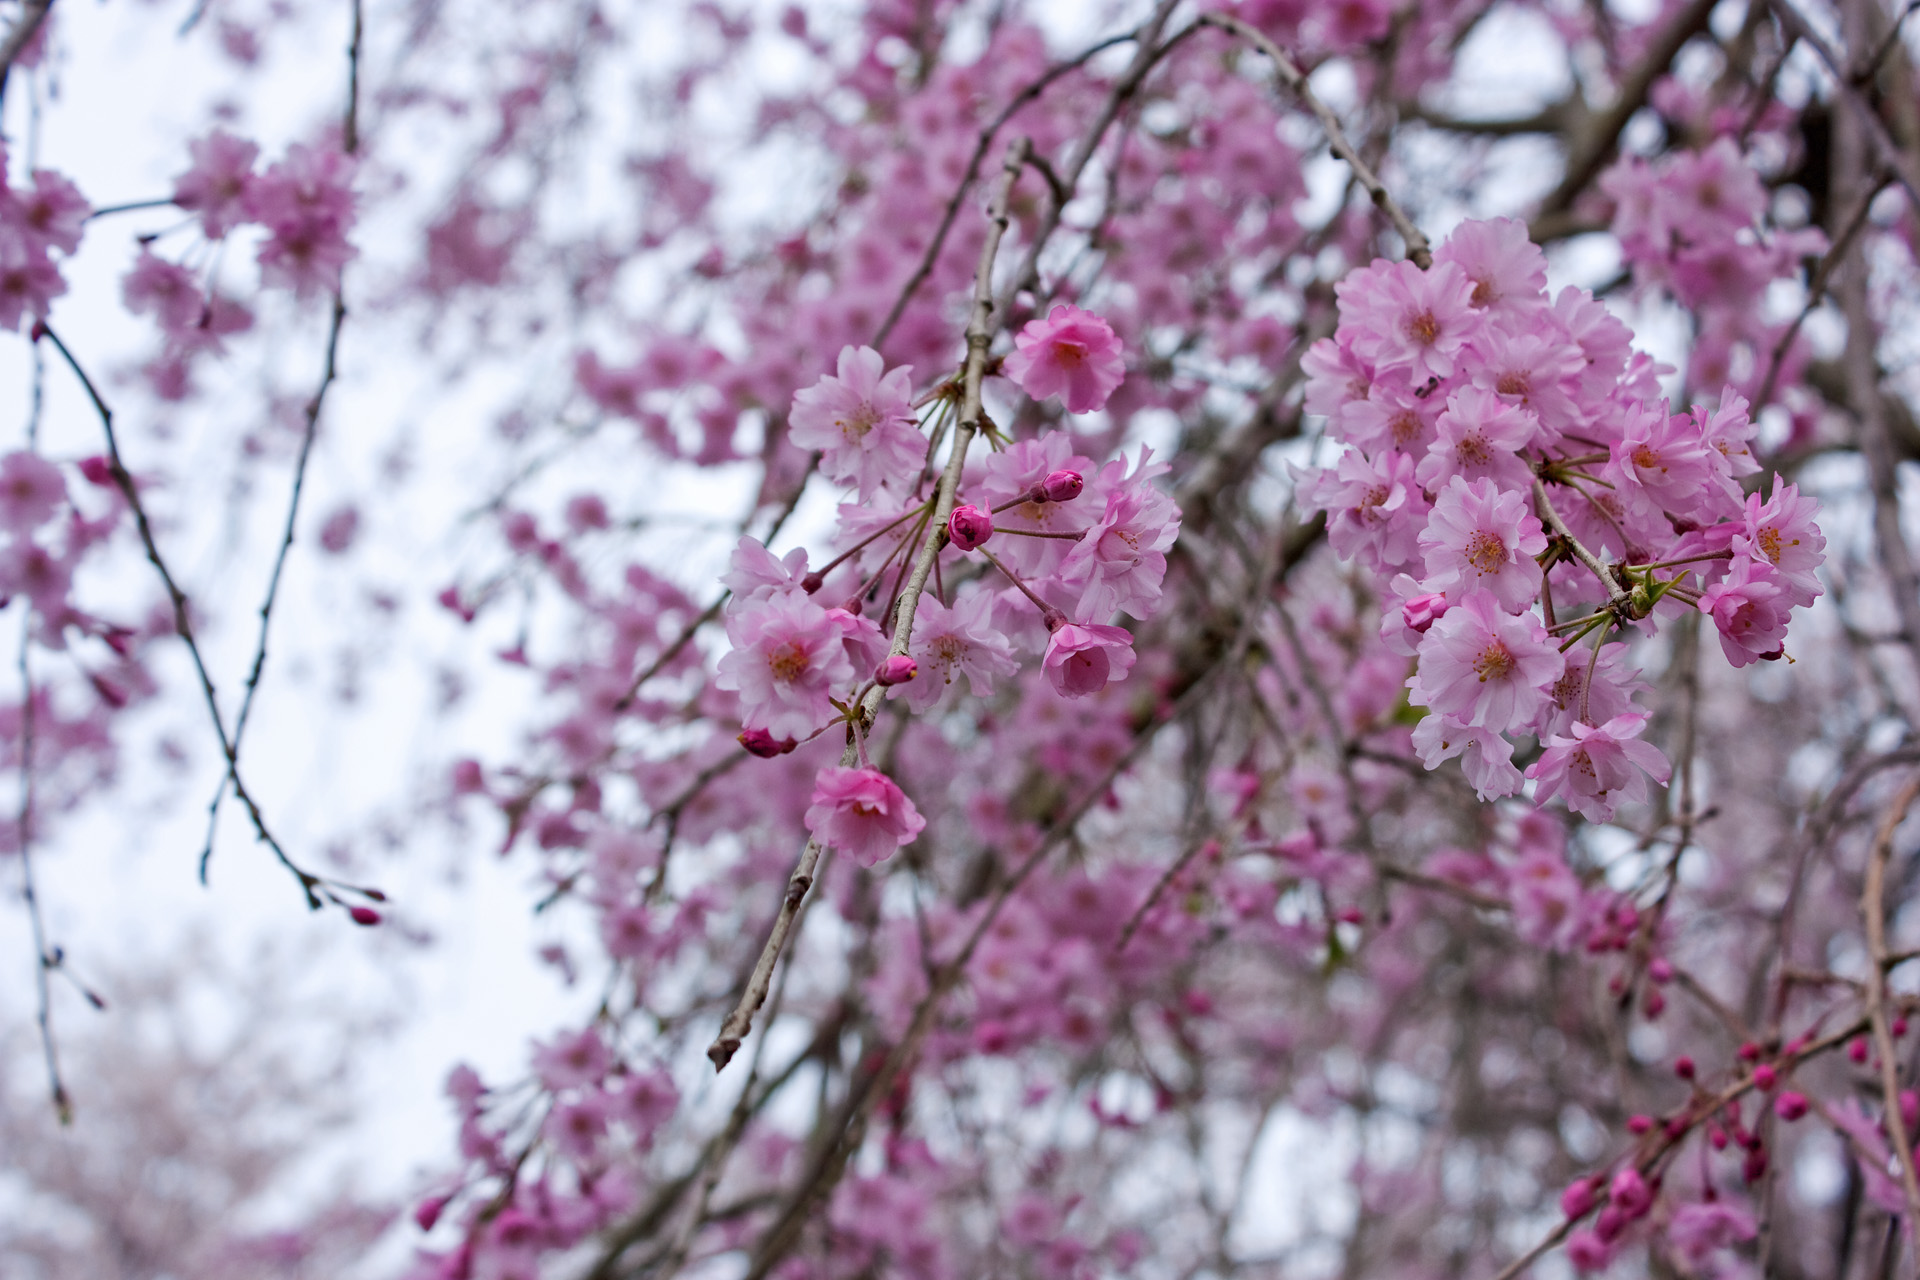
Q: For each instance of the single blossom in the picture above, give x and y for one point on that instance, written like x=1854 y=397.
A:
x=862 y=812
x=1485 y=667
x=789 y=657
x=1781 y=534
x=1483 y=538
x=1598 y=767
x=957 y=641
x=861 y=422
x=1122 y=558
x=1072 y=354
x=1480 y=437
x=1083 y=659
x=969 y=526
x=1487 y=758
x=1375 y=508
x=217 y=185
x=1401 y=317
x=1749 y=608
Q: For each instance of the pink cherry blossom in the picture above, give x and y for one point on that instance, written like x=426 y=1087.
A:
x=1084 y=659
x=306 y=202
x=217 y=185
x=1597 y=768
x=1485 y=667
x=1072 y=354
x=789 y=658
x=1375 y=508
x=1780 y=533
x=1507 y=270
x=1487 y=757
x=1122 y=558
x=862 y=812
x=1404 y=318
x=1481 y=437
x=960 y=640
x=1483 y=538
x=862 y=423
x=31 y=490
x=1749 y=607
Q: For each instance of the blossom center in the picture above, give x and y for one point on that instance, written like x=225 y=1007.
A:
x=1647 y=458
x=1769 y=541
x=1473 y=450
x=788 y=662
x=1494 y=663
x=1069 y=355
x=856 y=424
x=1405 y=428
x=1483 y=294
x=1486 y=551
x=1423 y=328
x=1514 y=383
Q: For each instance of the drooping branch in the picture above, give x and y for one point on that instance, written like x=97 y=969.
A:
x=1296 y=82
x=981 y=328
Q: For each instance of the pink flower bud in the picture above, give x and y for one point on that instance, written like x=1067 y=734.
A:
x=1577 y=1199
x=1749 y=1052
x=1765 y=1077
x=1909 y=1108
x=969 y=526
x=1790 y=1105
x=1423 y=611
x=1683 y=1067
x=760 y=743
x=98 y=470
x=1857 y=1049
x=1628 y=1193
x=1900 y=1026
x=364 y=916
x=1754 y=1167
x=897 y=669
x=1660 y=970
x=429 y=1212
x=1639 y=1124
x=1061 y=486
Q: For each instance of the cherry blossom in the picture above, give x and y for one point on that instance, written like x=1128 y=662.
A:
x=862 y=812
x=1072 y=354
x=862 y=422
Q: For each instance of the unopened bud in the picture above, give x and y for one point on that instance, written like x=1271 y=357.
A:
x=1683 y=1067
x=1639 y=1124
x=811 y=583
x=969 y=526
x=98 y=471
x=364 y=915
x=1790 y=1105
x=1577 y=1199
x=1061 y=486
x=1765 y=1077
x=429 y=1212
x=1423 y=611
x=897 y=669
x=763 y=744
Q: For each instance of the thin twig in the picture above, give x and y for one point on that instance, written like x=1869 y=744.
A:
x=1816 y=292
x=182 y=618
x=1886 y=150
x=1873 y=909
x=1296 y=81
x=980 y=332
x=43 y=956
x=19 y=36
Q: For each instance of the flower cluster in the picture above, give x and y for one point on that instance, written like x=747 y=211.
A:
x=1514 y=472
x=1073 y=544
x=35 y=221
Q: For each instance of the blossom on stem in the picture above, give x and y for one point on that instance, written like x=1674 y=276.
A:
x=1072 y=354
x=788 y=657
x=969 y=526
x=1481 y=437
x=1780 y=533
x=1121 y=560
x=862 y=812
x=1485 y=667
x=217 y=184
x=1487 y=758
x=1483 y=538
x=1598 y=766
x=861 y=422
x=960 y=640
x=1749 y=608
x=1404 y=318
x=1083 y=659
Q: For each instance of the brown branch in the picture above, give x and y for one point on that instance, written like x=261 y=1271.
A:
x=44 y=957
x=1886 y=150
x=1590 y=151
x=182 y=618
x=981 y=328
x=1874 y=910
x=19 y=36
x=1296 y=81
